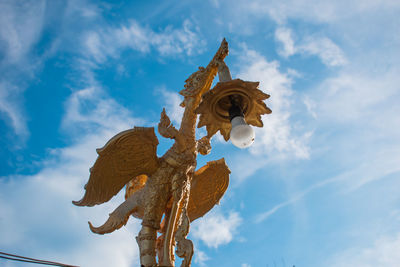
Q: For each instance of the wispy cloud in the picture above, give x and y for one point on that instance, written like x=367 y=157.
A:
x=277 y=137
x=172 y=101
x=23 y=24
x=215 y=229
x=61 y=180
x=298 y=196
x=320 y=46
x=10 y=106
x=83 y=8
x=356 y=107
x=383 y=252
x=200 y=257
x=323 y=47
x=361 y=103
x=109 y=42
x=285 y=37
x=21 y=28
x=89 y=109
x=346 y=182
x=315 y=11
x=48 y=215
x=91 y=118
x=359 y=95
x=50 y=192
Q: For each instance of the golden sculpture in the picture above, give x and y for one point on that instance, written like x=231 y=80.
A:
x=169 y=186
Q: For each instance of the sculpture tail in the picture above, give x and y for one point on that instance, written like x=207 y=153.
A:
x=113 y=223
x=119 y=217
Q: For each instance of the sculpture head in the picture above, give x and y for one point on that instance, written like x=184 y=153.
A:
x=200 y=82
x=194 y=87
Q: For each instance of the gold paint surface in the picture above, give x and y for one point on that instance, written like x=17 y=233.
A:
x=168 y=187
x=215 y=105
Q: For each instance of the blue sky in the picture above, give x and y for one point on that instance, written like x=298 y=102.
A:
x=319 y=187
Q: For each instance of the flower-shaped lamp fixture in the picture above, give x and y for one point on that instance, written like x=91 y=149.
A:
x=231 y=107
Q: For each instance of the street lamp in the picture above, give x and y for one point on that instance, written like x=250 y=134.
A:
x=167 y=193
x=231 y=107
x=242 y=135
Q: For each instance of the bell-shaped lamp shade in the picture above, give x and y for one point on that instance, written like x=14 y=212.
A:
x=242 y=134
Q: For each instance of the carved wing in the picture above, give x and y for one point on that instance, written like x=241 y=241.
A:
x=128 y=154
x=208 y=186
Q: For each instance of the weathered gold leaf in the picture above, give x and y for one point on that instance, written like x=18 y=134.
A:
x=208 y=186
x=125 y=156
x=214 y=107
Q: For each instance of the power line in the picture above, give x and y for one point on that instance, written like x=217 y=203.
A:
x=13 y=257
x=37 y=262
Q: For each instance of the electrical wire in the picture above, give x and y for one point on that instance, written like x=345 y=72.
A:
x=8 y=256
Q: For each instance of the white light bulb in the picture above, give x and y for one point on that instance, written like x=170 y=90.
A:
x=242 y=134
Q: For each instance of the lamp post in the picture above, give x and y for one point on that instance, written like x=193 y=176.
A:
x=241 y=135
x=231 y=106
x=166 y=192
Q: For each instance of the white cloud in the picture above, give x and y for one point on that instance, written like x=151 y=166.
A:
x=295 y=197
x=348 y=182
x=172 y=101
x=39 y=212
x=89 y=109
x=10 y=107
x=284 y=36
x=310 y=105
x=109 y=42
x=354 y=106
x=214 y=229
x=200 y=257
x=21 y=26
x=383 y=252
x=365 y=103
x=359 y=95
x=245 y=166
x=356 y=110
x=83 y=8
x=329 y=53
x=215 y=3
x=277 y=137
x=246 y=265
x=323 y=47
x=324 y=11
x=36 y=210
x=44 y=198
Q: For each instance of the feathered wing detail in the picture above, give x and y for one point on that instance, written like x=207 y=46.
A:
x=128 y=154
x=208 y=186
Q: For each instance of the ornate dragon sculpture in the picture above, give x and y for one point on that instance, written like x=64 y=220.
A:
x=166 y=193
